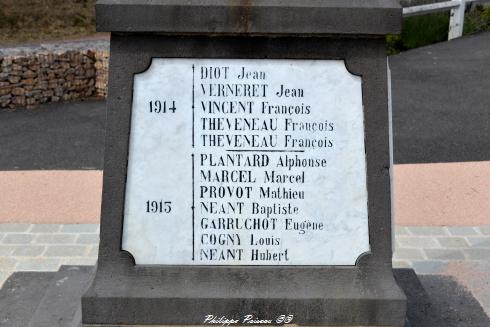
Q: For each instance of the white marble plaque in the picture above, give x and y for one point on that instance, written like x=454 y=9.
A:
x=246 y=162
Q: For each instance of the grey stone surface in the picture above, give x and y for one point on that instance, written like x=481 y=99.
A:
x=479 y=241
x=20 y=296
x=462 y=231
x=285 y=17
x=452 y=242
x=45 y=228
x=6 y=250
x=484 y=230
x=401 y=231
x=55 y=239
x=60 y=306
x=429 y=266
x=420 y=230
x=80 y=228
x=444 y=254
x=9 y=228
x=28 y=250
x=7 y=263
x=88 y=239
x=38 y=264
x=410 y=254
x=478 y=254
x=195 y=291
x=417 y=242
x=85 y=261
x=66 y=251
x=49 y=299
x=94 y=251
x=17 y=239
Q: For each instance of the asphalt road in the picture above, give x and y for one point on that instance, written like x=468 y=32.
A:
x=441 y=113
x=441 y=102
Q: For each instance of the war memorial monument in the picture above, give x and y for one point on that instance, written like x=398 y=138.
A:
x=247 y=165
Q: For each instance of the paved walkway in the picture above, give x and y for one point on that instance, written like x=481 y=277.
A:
x=460 y=252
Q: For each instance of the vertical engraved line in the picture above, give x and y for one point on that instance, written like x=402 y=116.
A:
x=193 y=115
x=193 y=207
x=193 y=195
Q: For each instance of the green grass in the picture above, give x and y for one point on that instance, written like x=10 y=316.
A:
x=419 y=31
x=423 y=30
x=477 y=20
x=40 y=20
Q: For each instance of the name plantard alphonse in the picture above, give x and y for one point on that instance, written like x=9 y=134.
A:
x=247 y=319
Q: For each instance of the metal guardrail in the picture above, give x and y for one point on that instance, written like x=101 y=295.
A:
x=457 y=8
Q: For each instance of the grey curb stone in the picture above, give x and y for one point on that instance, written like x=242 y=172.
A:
x=14 y=228
x=401 y=231
x=410 y=254
x=444 y=254
x=66 y=251
x=424 y=231
x=6 y=250
x=80 y=228
x=417 y=242
x=88 y=239
x=462 y=231
x=39 y=264
x=28 y=251
x=55 y=239
x=429 y=267
x=485 y=230
x=7 y=263
x=401 y=264
x=478 y=254
x=479 y=241
x=17 y=239
x=79 y=261
x=4 y=275
x=46 y=228
x=453 y=242
x=94 y=251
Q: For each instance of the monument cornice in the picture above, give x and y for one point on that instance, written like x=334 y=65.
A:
x=251 y=17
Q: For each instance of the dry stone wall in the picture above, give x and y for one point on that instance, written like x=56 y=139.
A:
x=53 y=72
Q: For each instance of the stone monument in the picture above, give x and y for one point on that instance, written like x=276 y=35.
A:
x=247 y=165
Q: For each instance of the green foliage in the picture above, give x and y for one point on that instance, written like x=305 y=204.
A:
x=477 y=20
x=427 y=29
x=39 y=20
x=418 y=31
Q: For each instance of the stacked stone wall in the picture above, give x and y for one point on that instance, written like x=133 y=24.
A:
x=30 y=76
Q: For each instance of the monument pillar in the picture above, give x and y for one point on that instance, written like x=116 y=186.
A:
x=247 y=165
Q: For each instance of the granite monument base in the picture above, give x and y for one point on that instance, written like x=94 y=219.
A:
x=186 y=295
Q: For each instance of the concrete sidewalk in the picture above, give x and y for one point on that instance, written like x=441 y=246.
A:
x=460 y=252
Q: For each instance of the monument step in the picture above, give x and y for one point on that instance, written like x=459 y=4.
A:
x=21 y=295
x=60 y=305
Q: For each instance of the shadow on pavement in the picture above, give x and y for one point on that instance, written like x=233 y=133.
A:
x=433 y=300
x=439 y=301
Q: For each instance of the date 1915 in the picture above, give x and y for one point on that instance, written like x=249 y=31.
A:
x=158 y=206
